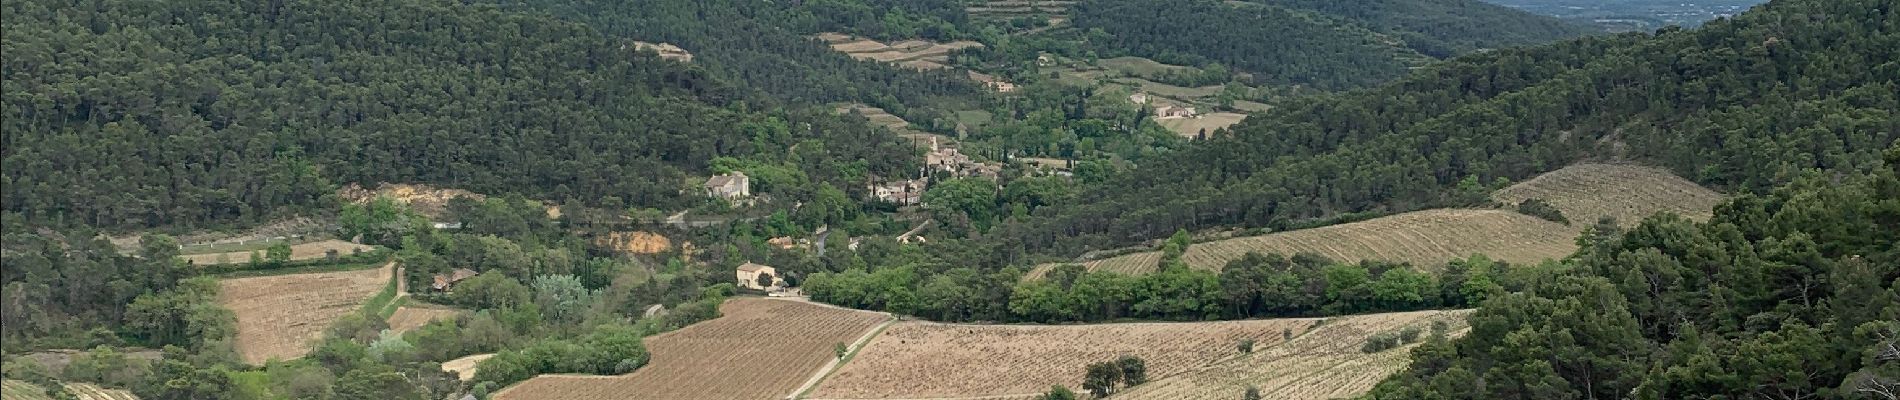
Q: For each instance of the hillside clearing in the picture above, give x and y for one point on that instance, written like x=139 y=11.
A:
x=1324 y=363
x=1429 y=238
x=464 y=368
x=281 y=316
x=759 y=349
x=1191 y=127
x=1423 y=238
x=1585 y=192
x=408 y=318
x=915 y=359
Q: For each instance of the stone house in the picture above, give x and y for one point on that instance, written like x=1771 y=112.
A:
x=729 y=186
x=748 y=276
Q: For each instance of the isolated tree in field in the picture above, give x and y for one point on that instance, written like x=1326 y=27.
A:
x=277 y=254
x=1102 y=378
x=1134 y=370
x=841 y=349
x=1253 y=393
x=1246 y=345
x=1058 y=392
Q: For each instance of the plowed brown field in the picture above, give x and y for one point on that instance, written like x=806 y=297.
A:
x=280 y=316
x=759 y=349
x=931 y=360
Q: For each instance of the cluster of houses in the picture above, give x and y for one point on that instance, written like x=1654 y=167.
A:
x=908 y=192
x=994 y=83
x=949 y=159
x=1164 y=111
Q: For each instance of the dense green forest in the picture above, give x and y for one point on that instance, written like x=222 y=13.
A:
x=195 y=113
x=1325 y=44
x=1739 y=105
x=1790 y=294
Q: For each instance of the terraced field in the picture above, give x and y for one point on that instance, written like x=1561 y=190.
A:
x=20 y=390
x=1019 y=8
x=298 y=252
x=915 y=53
x=1324 y=363
x=880 y=117
x=1191 y=127
x=759 y=349
x=914 y=359
x=1429 y=238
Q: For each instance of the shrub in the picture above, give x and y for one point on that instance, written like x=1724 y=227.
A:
x=1542 y=209
x=1058 y=392
x=1246 y=345
x=1380 y=342
x=1410 y=334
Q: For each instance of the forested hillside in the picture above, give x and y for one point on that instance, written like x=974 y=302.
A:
x=766 y=46
x=205 y=112
x=1738 y=105
x=1325 y=44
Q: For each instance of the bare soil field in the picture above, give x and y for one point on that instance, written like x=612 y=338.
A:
x=1423 y=238
x=1190 y=127
x=298 y=252
x=634 y=242
x=280 y=316
x=1629 y=193
x=408 y=318
x=915 y=359
x=428 y=200
x=1324 y=363
x=759 y=349
x=464 y=368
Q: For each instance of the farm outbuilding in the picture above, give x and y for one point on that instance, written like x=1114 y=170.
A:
x=444 y=281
